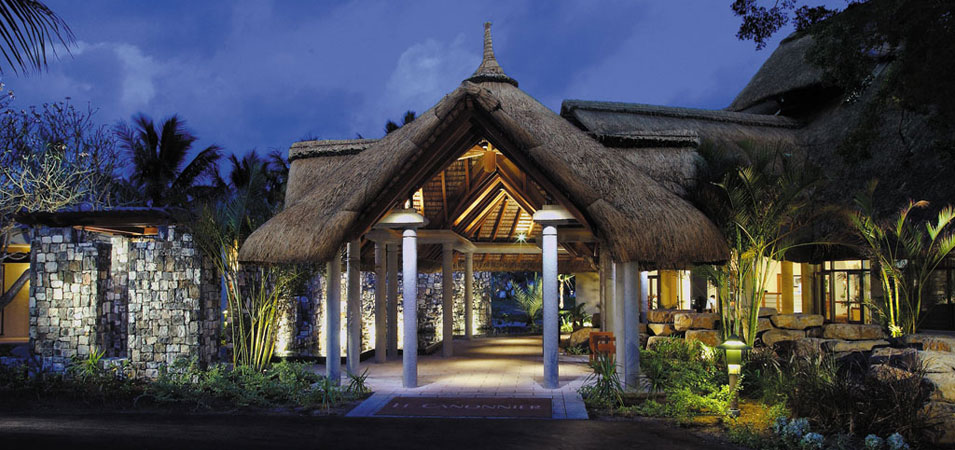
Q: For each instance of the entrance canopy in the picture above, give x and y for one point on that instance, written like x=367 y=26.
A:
x=479 y=164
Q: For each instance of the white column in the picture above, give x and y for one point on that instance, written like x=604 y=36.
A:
x=606 y=290
x=551 y=328
x=392 y=281
x=631 y=317
x=380 y=319
x=468 y=295
x=353 y=344
x=644 y=295
x=409 y=253
x=333 y=293
x=447 y=304
x=618 y=317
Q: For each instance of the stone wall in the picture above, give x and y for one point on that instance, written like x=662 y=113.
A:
x=150 y=300
x=65 y=297
x=307 y=312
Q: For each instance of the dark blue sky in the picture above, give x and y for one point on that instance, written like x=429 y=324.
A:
x=263 y=74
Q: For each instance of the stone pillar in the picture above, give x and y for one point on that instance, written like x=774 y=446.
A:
x=808 y=288
x=786 y=288
x=631 y=330
x=447 y=300
x=392 y=282
x=380 y=319
x=333 y=290
x=644 y=295
x=353 y=338
x=607 y=291
x=619 y=321
x=409 y=260
x=551 y=327
x=468 y=295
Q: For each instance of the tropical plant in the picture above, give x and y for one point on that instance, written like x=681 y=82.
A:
x=760 y=199
x=575 y=316
x=907 y=252
x=358 y=384
x=29 y=30
x=160 y=173
x=253 y=292
x=603 y=386
x=530 y=298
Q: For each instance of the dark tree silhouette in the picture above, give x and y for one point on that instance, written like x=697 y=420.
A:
x=392 y=126
x=160 y=173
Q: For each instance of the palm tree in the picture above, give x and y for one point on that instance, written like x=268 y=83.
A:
x=159 y=171
x=27 y=29
x=392 y=126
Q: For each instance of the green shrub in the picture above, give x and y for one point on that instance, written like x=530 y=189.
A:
x=603 y=388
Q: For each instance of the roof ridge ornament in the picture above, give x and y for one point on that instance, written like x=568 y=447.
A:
x=490 y=70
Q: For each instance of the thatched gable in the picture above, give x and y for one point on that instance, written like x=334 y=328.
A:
x=785 y=71
x=634 y=216
x=312 y=161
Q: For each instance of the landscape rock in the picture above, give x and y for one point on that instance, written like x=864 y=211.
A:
x=775 y=335
x=709 y=338
x=581 y=337
x=664 y=315
x=796 y=321
x=839 y=346
x=852 y=332
x=763 y=324
x=812 y=345
x=815 y=332
x=944 y=386
x=937 y=362
x=945 y=414
x=931 y=342
x=885 y=372
x=896 y=357
x=661 y=329
x=767 y=312
x=696 y=321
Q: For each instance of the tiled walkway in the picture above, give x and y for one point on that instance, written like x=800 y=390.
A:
x=483 y=367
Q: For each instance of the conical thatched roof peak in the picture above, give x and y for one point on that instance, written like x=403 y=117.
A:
x=490 y=70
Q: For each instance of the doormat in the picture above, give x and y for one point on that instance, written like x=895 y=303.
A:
x=467 y=407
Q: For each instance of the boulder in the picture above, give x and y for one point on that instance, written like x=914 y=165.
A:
x=709 y=338
x=778 y=335
x=840 y=346
x=661 y=329
x=943 y=385
x=664 y=315
x=580 y=337
x=815 y=332
x=852 y=332
x=937 y=362
x=796 y=321
x=763 y=324
x=767 y=312
x=930 y=342
x=812 y=345
x=696 y=321
x=895 y=357
x=653 y=340
x=944 y=413
x=885 y=372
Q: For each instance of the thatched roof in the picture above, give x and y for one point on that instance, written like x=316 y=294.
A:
x=785 y=71
x=634 y=216
x=312 y=161
x=662 y=140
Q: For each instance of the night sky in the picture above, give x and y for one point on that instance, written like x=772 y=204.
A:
x=263 y=74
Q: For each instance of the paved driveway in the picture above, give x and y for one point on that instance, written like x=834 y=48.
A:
x=482 y=367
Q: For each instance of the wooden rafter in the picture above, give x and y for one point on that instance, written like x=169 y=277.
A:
x=500 y=215
x=444 y=196
x=517 y=219
x=483 y=215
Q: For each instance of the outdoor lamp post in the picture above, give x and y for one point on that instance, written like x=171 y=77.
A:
x=734 y=347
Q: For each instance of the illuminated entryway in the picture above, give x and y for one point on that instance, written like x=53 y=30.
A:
x=482 y=367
